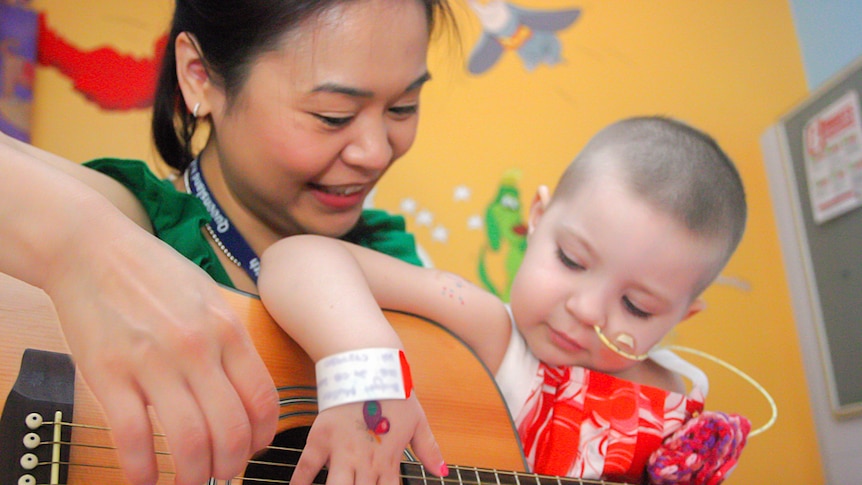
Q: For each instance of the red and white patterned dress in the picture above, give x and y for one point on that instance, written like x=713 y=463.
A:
x=580 y=423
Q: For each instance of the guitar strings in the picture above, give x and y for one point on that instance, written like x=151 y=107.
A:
x=497 y=474
x=294 y=401
x=539 y=479
x=501 y=477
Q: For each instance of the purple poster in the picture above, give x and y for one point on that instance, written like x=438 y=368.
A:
x=18 y=37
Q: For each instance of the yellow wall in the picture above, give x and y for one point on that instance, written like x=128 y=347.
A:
x=731 y=68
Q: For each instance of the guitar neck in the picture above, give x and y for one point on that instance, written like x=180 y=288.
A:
x=414 y=474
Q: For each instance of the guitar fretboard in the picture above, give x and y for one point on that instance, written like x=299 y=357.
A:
x=414 y=474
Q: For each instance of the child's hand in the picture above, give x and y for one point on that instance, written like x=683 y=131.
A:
x=703 y=452
x=363 y=443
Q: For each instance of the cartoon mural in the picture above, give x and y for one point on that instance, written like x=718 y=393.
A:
x=17 y=56
x=529 y=32
x=506 y=234
x=111 y=80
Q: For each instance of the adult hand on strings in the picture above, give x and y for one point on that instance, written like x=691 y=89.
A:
x=146 y=327
x=149 y=328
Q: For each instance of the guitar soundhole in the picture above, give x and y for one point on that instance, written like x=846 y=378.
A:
x=276 y=465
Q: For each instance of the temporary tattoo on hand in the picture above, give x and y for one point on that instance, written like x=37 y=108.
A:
x=376 y=424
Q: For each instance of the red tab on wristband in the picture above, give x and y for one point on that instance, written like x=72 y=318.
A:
x=405 y=374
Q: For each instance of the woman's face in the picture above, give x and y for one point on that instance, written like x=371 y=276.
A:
x=320 y=120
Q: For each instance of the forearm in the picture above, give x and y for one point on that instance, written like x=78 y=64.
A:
x=54 y=210
x=43 y=210
x=315 y=289
x=315 y=284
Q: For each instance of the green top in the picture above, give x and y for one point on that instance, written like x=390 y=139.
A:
x=177 y=219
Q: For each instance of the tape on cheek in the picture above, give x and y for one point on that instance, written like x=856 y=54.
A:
x=361 y=375
x=623 y=339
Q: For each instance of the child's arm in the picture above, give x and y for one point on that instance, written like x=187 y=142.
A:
x=327 y=295
x=325 y=287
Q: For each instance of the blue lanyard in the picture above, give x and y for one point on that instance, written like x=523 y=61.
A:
x=222 y=231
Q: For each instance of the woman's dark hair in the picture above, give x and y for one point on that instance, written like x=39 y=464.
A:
x=231 y=36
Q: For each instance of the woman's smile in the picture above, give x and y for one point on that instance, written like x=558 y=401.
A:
x=340 y=197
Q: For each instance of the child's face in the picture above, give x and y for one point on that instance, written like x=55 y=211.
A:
x=602 y=256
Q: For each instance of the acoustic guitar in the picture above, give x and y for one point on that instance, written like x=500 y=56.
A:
x=53 y=431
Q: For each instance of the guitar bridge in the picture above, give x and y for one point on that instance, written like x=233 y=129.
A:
x=34 y=434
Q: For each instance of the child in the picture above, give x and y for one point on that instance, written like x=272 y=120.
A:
x=641 y=222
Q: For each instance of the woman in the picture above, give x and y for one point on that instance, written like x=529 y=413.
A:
x=307 y=104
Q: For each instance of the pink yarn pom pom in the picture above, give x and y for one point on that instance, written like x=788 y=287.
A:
x=703 y=452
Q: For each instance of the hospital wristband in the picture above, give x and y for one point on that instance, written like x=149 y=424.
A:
x=362 y=375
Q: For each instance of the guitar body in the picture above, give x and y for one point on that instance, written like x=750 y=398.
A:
x=463 y=405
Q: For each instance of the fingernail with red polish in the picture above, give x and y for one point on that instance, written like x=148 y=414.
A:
x=444 y=470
